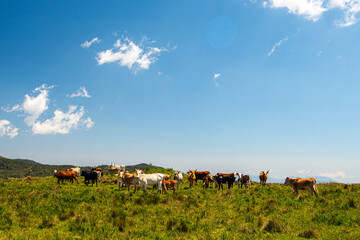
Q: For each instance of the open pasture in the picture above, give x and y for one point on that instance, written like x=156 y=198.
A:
x=39 y=208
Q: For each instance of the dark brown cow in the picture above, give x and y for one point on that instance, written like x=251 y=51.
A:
x=68 y=175
x=244 y=180
x=302 y=184
x=200 y=175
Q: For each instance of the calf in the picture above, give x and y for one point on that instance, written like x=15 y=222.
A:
x=302 y=184
x=207 y=180
x=167 y=184
x=90 y=176
x=244 y=180
x=65 y=175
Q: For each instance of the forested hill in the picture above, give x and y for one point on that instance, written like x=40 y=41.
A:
x=19 y=168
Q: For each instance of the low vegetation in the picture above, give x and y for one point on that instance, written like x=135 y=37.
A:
x=38 y=208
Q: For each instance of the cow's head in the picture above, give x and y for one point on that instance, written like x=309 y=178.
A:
x=287 y=181
x=55 y=172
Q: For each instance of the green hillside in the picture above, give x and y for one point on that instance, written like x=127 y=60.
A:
x=19 y=168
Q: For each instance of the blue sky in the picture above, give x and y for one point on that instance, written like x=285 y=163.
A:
x=214 y=85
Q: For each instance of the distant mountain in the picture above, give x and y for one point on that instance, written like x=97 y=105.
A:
x=19 y=168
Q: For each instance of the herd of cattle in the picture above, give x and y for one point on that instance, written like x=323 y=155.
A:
x=164 y=181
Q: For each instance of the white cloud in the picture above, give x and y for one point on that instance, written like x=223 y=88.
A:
x=7 y=129
x=310 y=9
x=216 y=76
x=88 y=123
x=81 y=93
x=350 y=7
x=334 y=174
x=314 y=9
x=129 y=54
x=63 y=122
x=87 y=44
x=276 y=45
x=33 y=107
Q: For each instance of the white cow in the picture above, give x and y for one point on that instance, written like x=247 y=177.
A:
x=150 y=179
x=178 y=177
x=76 y=170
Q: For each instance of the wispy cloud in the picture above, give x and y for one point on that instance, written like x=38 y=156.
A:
x=277 y=45
x=350 y=8
x=7 y=129
x=216 y=76
x=334 y=174
x=87 y=44
x=304 y=171
x=80 y=93
x=129 y=54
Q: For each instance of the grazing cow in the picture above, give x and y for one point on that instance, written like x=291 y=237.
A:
x=151 y=179
x=178 y=177
x=225 y=178
x=263 y=177
x=76 y=170
x=65 y=175
x=90 y=176
x=169 y=184
x=244 y=180
x=191 y=178
x=302 y=184
x=128 y=179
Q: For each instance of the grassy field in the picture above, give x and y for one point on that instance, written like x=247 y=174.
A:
x=38 y=208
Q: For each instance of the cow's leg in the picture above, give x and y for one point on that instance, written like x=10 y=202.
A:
x=135 y=187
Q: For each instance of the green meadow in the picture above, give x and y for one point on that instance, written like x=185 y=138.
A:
x=39 y=208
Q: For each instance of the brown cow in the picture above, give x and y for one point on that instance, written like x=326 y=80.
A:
x=128 y=179
x=169 y=184
x=68 y=175
x=302 y=184
x=263 y=177
x=191 y=178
